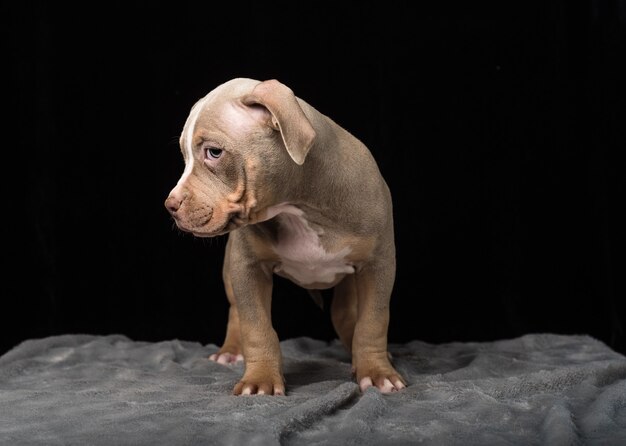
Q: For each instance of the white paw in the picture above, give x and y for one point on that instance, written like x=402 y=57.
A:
x=226 y=358
x=385 y=386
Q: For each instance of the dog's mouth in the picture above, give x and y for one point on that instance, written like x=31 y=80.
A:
x=232 y=222
x=212 y=233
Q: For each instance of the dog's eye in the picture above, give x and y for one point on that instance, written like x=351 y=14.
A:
x=213 y=153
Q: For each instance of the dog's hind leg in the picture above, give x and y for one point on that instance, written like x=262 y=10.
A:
x=231 y=351
x=343 y=310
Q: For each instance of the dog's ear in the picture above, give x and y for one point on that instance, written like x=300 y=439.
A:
x=286 y=116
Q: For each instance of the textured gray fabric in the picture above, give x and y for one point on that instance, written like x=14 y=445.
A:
x=109 y=390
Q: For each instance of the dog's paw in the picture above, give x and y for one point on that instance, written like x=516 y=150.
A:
x=226 y=357
x=263 y=382
x=379 y=374
x=386 y=384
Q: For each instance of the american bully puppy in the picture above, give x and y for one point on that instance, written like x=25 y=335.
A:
x=302 y=198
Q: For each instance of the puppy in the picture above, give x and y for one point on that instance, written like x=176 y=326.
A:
x=300 y=197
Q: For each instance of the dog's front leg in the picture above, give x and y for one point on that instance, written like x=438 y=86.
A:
x=370 y=358
x=252 y=288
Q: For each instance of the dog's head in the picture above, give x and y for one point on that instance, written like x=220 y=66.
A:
x=238 y=141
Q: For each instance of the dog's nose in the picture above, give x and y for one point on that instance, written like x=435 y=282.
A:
x=173 y=202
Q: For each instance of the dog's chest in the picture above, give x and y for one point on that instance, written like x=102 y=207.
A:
x=303 y=258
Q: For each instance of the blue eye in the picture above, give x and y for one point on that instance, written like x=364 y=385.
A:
x=213 y=153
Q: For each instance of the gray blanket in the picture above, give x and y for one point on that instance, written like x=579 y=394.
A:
x=110 y=390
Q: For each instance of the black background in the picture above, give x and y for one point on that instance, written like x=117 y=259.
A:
x=497 y=126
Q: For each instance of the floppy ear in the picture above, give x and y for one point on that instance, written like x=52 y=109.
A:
x=287 y=117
